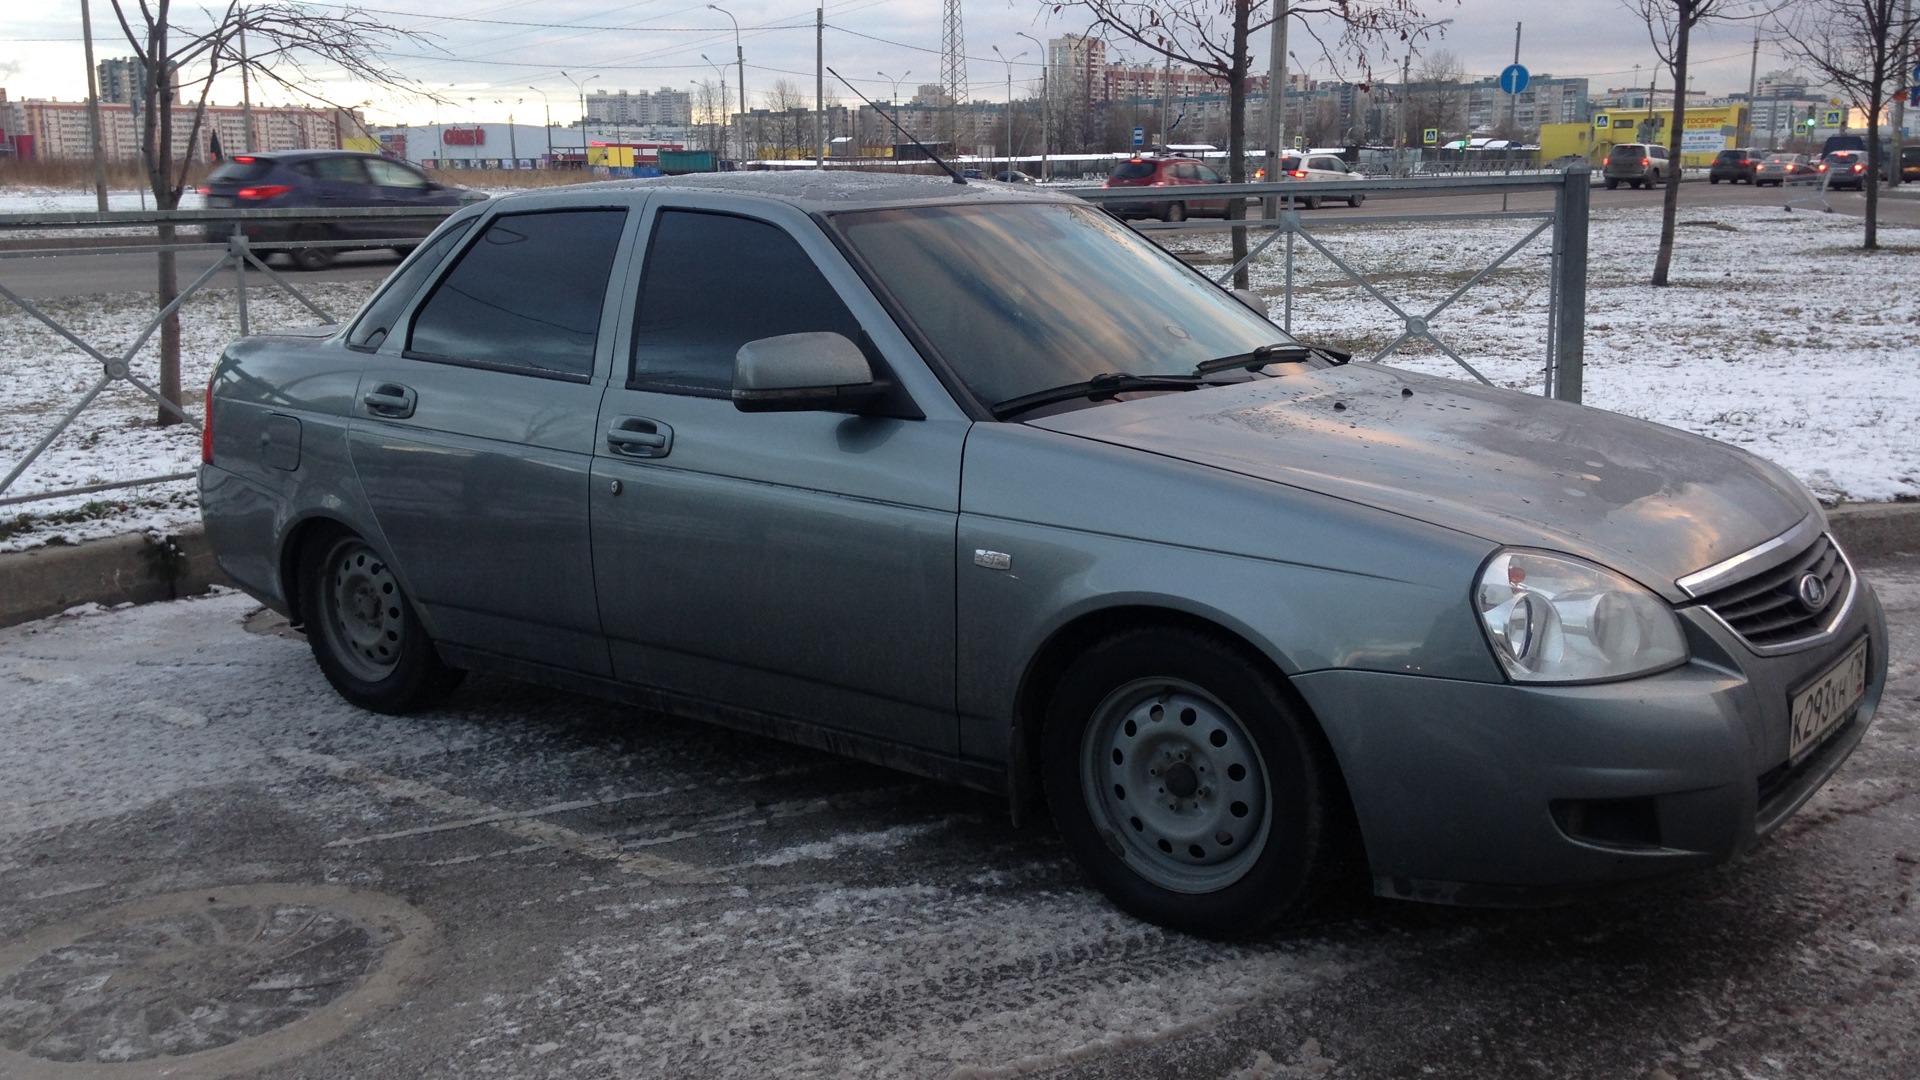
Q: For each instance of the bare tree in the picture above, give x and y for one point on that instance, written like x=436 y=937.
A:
x=1436 y=97
x=190 y=54
x=1670 y=26
x=791 y=115
x=712 y=111
x=1215 y=36
x=1858 y=46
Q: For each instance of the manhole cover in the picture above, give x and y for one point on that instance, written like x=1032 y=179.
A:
x=205 y=982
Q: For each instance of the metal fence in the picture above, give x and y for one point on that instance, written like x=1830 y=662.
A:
x=1564 y=225
x=237 y=256
x=1281 y=222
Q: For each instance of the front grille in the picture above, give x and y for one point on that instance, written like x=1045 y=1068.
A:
x=1766 y=609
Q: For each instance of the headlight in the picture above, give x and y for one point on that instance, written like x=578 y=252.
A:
x=1554 y=618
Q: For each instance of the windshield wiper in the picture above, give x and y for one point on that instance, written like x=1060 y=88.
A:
x=1095 y=389
x=1271 y=354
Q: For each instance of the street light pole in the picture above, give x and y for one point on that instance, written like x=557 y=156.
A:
x=580 y=85
x=1009 y=113
x=722 y=140
x=740 y=59
x=1046 y=107
x=893 y=98
x=549 y=105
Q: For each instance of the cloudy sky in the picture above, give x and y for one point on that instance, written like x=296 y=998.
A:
x=486 y=58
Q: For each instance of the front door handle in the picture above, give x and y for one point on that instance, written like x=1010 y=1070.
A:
x=390 y=400
x=637 y=436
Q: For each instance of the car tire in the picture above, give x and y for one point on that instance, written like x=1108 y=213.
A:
x=1175 y=212
x=364 y=632
x=1713 y=179
x=1355 y=201
x=1612 y=183
x=1187 y=783
x=311 y=258
x=1311 y=202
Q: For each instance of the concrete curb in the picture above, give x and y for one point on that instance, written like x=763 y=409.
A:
x=46 y=581
x=120 y=569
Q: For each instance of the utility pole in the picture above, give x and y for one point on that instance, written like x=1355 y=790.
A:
x=1753 y=85
x=1513 y=103
x=1905 y=59
x=1276 y=94
x=246 y=85
x=93 y=112
x=819 y=87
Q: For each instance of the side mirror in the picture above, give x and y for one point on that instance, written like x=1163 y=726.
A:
x=1253 y=300
x=814 y=372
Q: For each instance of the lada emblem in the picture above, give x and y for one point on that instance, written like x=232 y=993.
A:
x=1813 y=592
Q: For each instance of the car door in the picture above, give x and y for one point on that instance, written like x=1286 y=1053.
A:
x=1206 y=174
x=797 y=564
x=473 y=440
x=340 y=181
x=397 y=185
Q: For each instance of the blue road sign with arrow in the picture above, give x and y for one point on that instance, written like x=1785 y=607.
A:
x=1514 y=79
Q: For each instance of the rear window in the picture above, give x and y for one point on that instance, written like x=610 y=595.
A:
x=1132 y=170
x=241 y=170
x=1732 y=155
x=1628 y=150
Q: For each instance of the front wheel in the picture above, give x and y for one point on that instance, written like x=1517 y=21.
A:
x=1186 y=783
x=1175 y=212
x=1355 y=200
x=364 y=633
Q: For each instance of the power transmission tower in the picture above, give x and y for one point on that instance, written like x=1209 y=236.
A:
x=953 y=77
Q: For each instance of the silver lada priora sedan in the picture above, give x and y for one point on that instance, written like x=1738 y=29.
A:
x=973 y=481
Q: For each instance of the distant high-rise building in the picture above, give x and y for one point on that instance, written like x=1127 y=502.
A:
x=665 y=106
x=123 y=81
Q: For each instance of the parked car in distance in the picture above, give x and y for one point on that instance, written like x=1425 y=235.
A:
x=1909 y=164
x=1734 y=166
x=1845 y=169
x=1014 y=176
x=973 y=481
x=328 y=179
x=1636 y=165
x=1161 y=172
x=1313 y=167
x=1778 y=169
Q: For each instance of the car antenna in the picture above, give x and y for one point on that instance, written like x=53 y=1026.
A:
x=931 y=156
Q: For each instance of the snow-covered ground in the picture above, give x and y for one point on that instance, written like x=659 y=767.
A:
x=48 y=200
x=1778 y=334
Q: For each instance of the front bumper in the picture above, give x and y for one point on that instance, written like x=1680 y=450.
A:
x=1490 y=793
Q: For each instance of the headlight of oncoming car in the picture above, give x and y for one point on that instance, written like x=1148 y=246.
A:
x=1554 y=618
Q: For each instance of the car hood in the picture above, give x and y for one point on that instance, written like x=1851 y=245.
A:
x=1511 y=468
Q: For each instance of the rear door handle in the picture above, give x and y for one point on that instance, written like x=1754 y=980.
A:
x=390 y=400
x=637 y=436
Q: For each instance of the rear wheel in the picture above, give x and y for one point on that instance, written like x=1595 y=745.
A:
x=1712 y=179
x=1312 y=202
x=364 y=633
x=311 y=258
x=1612 y=183
x=1186 y=783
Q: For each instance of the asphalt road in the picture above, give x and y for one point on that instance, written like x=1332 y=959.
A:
x=88 y=275
x=209 y=864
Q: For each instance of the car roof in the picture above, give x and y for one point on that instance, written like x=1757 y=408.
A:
x=810 y=190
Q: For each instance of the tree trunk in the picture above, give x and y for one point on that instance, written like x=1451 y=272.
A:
x=1237 y=134
x=1670 y=201
x=1874 y=158
x=169 y=288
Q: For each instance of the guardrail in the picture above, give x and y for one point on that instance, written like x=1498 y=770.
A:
x=238 y=254
x=1566 y=222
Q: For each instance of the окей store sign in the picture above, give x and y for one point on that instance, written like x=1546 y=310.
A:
x=463 y=136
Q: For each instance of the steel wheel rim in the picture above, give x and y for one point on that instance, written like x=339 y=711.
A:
x=1176 y=785
x=363 y=611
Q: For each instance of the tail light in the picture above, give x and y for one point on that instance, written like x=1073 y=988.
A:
x=244 y=159
x=206 y=428
x=1644 y=162
x=203 y=190
x=1297 y=174
x=266 y=191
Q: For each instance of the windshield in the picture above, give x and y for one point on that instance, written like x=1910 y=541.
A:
x=1025 y=297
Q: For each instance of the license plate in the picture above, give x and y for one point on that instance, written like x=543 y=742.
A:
x=1821 y=706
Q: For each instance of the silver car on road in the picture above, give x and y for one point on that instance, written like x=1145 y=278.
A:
x=973 y=481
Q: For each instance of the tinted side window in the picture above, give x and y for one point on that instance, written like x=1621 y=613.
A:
x=377 y=321
x=240 y=170
x=715 y=282
x=526 y=296
x=1206 y=173
x=389 y=174
x=341 y=170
